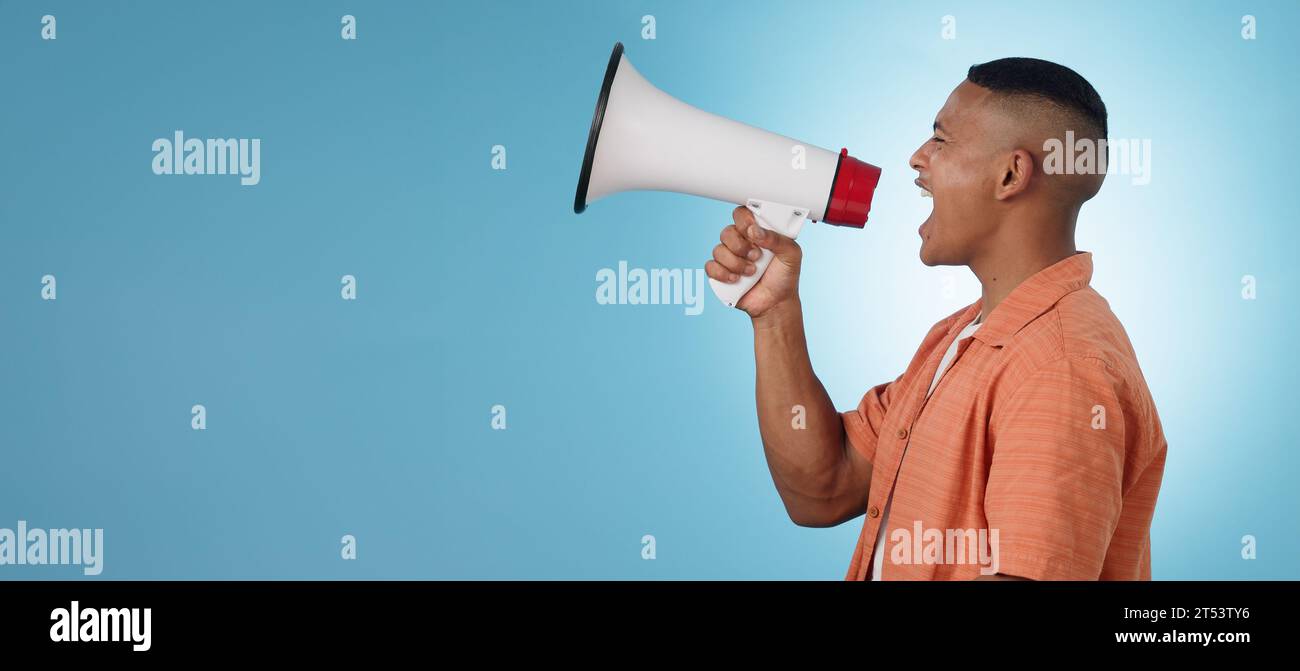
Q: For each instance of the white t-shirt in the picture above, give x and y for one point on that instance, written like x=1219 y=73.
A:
x=877 y=556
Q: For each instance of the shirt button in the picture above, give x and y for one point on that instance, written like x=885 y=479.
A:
x=902 y=433
x=873 y=511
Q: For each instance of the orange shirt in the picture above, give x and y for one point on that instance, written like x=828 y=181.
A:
x=1041 y=441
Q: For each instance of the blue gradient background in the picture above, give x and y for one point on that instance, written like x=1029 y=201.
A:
x=476 y=287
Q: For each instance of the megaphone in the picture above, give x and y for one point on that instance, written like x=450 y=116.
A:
x=644 y=139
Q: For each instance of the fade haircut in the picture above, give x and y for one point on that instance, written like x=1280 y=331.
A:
x=1036 y=82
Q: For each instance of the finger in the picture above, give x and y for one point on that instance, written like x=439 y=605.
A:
x=732 y=262
x=738 y=245
x=742 y=217
x=716 y=271
x=765 y=238
x=782 y=246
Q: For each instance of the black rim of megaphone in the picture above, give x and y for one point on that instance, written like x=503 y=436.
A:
x=584 y=178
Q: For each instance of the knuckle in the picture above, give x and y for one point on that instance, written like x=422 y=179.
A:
x=722 y=256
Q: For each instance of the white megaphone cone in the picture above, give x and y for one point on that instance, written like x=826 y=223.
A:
x=644 y=139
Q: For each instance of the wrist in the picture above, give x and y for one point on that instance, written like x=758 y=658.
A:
x=786 y=313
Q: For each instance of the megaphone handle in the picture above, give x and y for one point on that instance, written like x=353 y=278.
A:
x=788 y=220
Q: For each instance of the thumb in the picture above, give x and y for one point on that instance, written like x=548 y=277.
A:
x=782 y=246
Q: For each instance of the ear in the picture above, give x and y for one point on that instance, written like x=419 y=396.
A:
x=1016 y=174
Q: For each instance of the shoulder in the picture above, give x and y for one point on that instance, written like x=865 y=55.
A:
x=1081 y=328
x=1079 y=347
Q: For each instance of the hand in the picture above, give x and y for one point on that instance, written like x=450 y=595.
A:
x=736 y=254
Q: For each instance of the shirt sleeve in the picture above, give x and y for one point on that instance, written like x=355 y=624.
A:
x=862 y=424
x=1054 y=494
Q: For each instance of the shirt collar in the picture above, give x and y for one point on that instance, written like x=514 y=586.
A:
x=1031 y=298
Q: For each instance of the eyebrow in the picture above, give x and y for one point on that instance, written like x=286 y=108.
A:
x=937 y=127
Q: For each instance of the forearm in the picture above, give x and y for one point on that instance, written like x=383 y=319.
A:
x=803 y=435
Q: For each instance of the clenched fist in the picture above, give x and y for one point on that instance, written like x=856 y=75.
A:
x=737 y=252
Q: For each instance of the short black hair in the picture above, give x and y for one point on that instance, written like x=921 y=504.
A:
x=1046 y=81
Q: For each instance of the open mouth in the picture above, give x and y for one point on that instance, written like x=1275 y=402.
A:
x=925 y=193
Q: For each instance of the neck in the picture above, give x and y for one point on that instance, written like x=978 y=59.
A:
x=1006 y=265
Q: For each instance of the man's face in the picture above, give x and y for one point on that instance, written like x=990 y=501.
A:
x=957 y=166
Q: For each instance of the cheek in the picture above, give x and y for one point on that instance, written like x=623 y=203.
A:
x=960 y=175
x=957 y=201
x=962 y=185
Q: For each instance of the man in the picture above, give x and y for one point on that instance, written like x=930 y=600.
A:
x=1023 y=416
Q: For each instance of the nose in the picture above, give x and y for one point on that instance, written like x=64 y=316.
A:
x=920 y=159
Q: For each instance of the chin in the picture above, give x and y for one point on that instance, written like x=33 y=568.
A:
x=928 y=252
x=932 y=256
